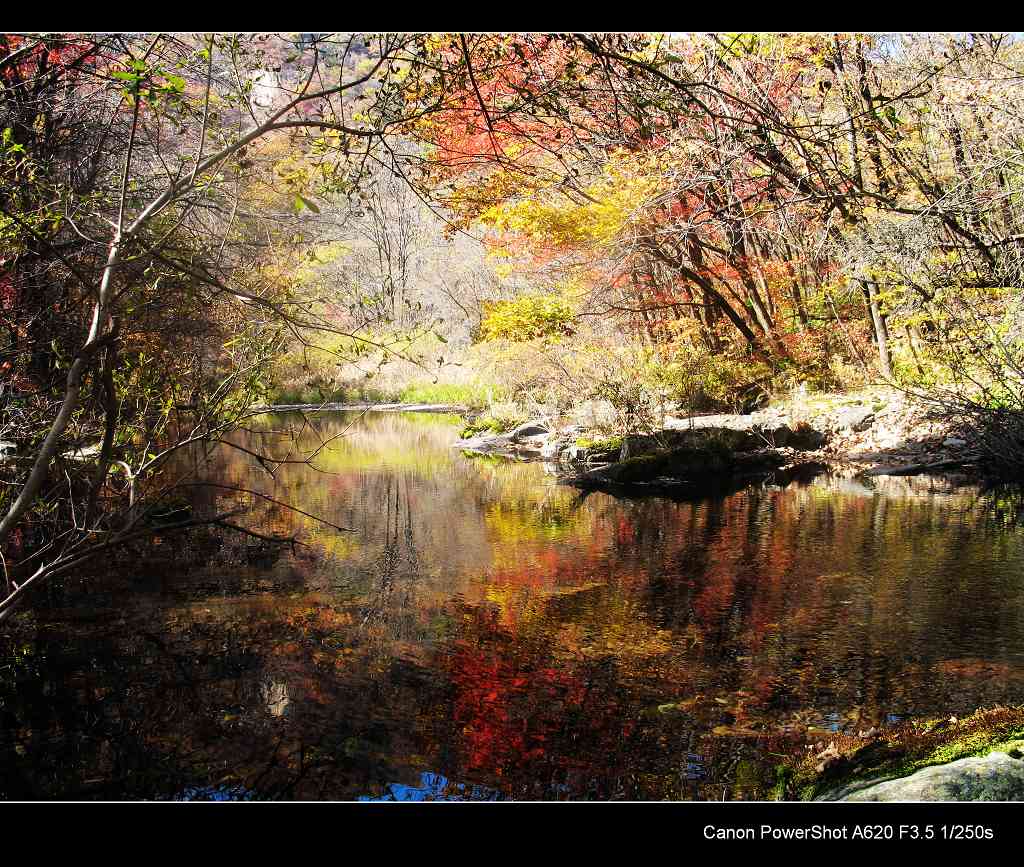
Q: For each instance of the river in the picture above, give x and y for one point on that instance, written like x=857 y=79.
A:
x=479 y=631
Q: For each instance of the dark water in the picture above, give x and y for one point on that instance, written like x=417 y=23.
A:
x=484 y=633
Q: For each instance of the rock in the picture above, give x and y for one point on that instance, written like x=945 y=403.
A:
x=637 y=445
x=954 y=442
x=995 y=777
x=853 y=418
x=84 y=453
x=681 y=466
x=526 y=447
x=550 y=449
x=529 y=447
x=700 y=437
x=758 y=462
x=763 y=429
x=528 y=429
x=569 y=453
x=600 y=453
x=486 y=445
x=573 y=450
x=684 y=463
x=806 y=439
x=732 y=421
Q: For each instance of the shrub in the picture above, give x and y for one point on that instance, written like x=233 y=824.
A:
x=500 y=418
x=527 y=318
x=702 y=382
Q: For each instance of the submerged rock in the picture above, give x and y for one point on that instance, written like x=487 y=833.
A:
x=995 y=777
x=528 y=447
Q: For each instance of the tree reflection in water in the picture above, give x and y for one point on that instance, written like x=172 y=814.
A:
x=484 y=625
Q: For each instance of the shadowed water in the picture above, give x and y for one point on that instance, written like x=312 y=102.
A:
x=481 y=632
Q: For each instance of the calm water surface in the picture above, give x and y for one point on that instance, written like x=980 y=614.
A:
x=481 y=632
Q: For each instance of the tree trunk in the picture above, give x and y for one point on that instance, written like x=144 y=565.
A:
x=881 y=329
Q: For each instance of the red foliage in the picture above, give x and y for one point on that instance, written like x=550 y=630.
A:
x=20 y=63
x=499 y=705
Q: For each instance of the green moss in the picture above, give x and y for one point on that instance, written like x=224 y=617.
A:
x=911 y=747
x=607 y=444
x=492 y=460
x=681 y=463
x=979 y=744
x=783 y=778
x=489 y=424
x=479 y=426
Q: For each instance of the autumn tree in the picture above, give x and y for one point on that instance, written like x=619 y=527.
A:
x=790 y=197
x=144 y=294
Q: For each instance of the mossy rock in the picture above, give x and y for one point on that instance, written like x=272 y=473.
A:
x=683 y=463
x=904 y=750
x=805 y=438
x=600 y=443
x=719 y=439
x=995 y=777
x=488 y=424
x=604 y=450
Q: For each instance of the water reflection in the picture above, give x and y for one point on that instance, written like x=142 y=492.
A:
x=434 y=787
x=482 y=624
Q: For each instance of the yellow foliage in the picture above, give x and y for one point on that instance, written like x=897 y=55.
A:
x=526 y=318
x=597 y=217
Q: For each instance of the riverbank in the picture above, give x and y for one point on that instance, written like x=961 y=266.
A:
x=866 y=434
x=977 y=758
x=361 y=407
